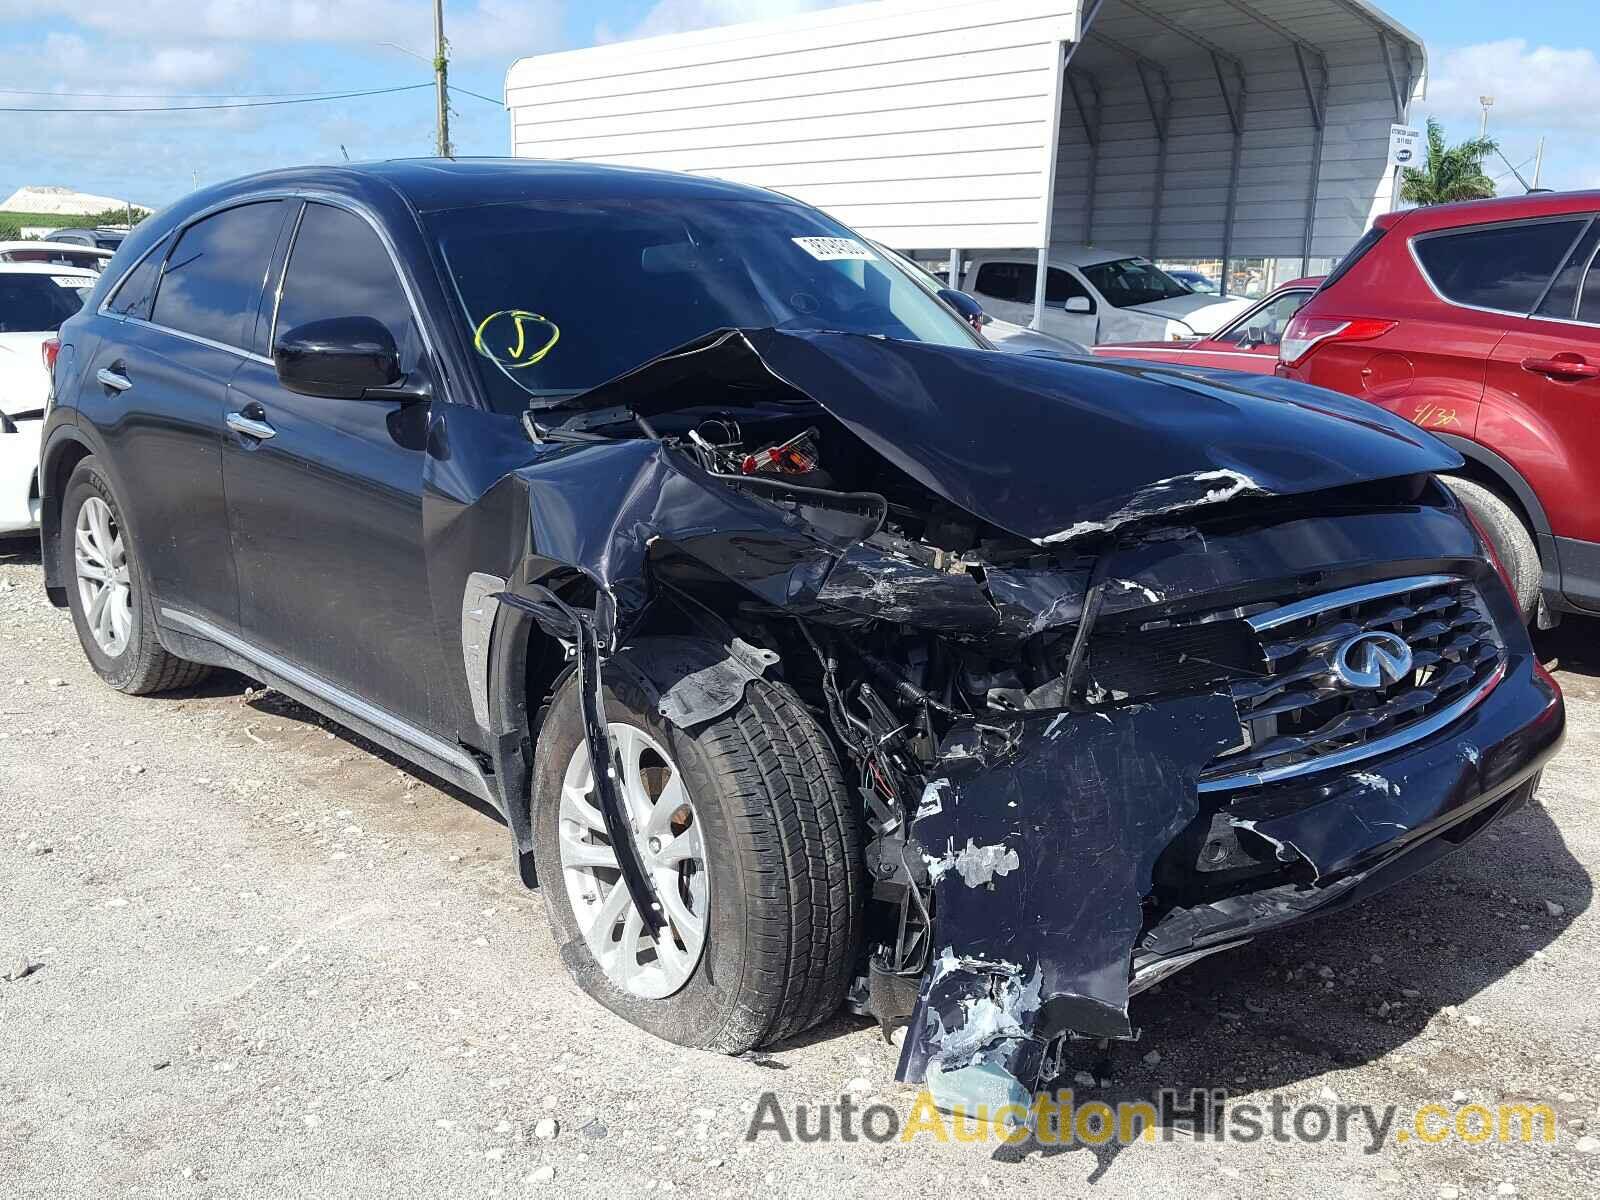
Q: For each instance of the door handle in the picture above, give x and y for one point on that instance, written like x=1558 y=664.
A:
x=250 y=426
x=1562 y=367
x=114 y=380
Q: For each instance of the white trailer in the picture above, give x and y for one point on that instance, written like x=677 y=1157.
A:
x=1180 y=129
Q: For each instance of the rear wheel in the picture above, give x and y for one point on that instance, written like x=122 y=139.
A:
x=107 y=591
x=1511 y=539
x=751 y=843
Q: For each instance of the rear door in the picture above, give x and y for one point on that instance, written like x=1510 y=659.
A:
x=1542 y=404
x=1444 y=375
x=158 y=382
x=325 y=496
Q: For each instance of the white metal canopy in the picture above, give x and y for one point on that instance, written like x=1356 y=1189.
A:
x=1182 y=128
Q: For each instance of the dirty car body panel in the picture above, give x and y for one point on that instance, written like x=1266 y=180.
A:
x=1123 y=665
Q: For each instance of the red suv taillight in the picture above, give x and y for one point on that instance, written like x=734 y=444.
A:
x=49 y=350
x=1304 y=333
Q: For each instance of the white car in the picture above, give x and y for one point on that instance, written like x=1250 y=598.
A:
x=1096 y=295
x=34 y=299
x=60 y=254
x=1002 y=335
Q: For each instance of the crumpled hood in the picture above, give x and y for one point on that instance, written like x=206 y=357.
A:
x=1050 y=449
x=1201 y=313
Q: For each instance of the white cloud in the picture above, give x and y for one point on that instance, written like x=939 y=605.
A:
x=1539 y=91
x=677 y=16
x=1532 y=86
x=499 y=29
x=70 y=62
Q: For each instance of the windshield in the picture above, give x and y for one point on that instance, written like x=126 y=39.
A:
x=39 y=303
x=560 y=296
x=1130 y=281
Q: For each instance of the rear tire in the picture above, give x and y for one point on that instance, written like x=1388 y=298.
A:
x=118 y=633
x=1512 y=541
x=782 y=856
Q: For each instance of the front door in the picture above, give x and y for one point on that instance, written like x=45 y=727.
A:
x=1005 y=289
x=325 y=496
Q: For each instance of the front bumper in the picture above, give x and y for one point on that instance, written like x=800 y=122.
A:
x=1363 y=831
x=1057 y=906
x=19 y=470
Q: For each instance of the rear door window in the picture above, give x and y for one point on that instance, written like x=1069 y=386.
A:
x=1502 y=267
x=137 y=291
x=212 y=284
x=1006 y=281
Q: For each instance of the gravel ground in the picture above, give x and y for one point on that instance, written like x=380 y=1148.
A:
x=271 y=961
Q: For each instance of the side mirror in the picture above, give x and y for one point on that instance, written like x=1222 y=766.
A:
x=966 y=306
x=341 y=358
x=1255 y=335
x=1078 y=304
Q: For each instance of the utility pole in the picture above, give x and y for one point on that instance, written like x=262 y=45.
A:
x=1538 y=164
x=441 y=72
x=1483 y=125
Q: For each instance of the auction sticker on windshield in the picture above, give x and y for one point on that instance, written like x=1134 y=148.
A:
x=834 y=249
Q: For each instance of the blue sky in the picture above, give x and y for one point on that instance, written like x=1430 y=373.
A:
x=1541 y=65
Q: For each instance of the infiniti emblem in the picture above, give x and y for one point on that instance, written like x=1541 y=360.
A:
x=1372 y=660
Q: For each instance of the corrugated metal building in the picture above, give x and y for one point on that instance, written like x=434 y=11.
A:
x=1218 y=129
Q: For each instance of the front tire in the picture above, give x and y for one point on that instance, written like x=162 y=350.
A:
x=763 y=944
x=109 y=594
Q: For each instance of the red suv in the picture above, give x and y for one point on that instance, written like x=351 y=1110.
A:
x=1480 y=322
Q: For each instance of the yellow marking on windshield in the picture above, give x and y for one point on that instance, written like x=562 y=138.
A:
x=517 y=356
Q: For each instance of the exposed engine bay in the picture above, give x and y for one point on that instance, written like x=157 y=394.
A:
x=1043 y=687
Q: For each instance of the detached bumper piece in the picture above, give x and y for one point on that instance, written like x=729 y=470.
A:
x=1046 y=863
x=1040 y=862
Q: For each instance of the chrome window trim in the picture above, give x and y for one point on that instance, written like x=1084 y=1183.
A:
x=1344 y=758
x=377 y=717
x=1313 y=605
x=360 y=210
x=198 y=339
x=309 y=195
x=1458 y=230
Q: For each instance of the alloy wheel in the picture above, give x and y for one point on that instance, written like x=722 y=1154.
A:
x=667 y=832
x=101 y=556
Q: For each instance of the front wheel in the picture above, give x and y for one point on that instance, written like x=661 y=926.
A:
x=753 y=848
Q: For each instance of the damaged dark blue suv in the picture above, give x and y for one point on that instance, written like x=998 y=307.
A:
x=978 y=691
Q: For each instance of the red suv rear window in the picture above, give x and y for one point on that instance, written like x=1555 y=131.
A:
x=1501 y=267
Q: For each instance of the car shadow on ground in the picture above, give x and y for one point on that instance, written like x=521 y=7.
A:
x=19 y=550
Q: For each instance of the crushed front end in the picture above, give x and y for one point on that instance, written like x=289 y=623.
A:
x=1125 y=667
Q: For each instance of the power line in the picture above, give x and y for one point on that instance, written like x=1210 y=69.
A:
x=5 y=91
x=167 y=95
x=211 y=107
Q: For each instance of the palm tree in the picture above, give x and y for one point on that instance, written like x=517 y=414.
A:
x=1451 y=172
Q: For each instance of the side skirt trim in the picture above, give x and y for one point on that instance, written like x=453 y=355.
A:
x=343 y=701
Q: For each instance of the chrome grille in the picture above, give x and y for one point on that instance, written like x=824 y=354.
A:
x=1299 y=716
